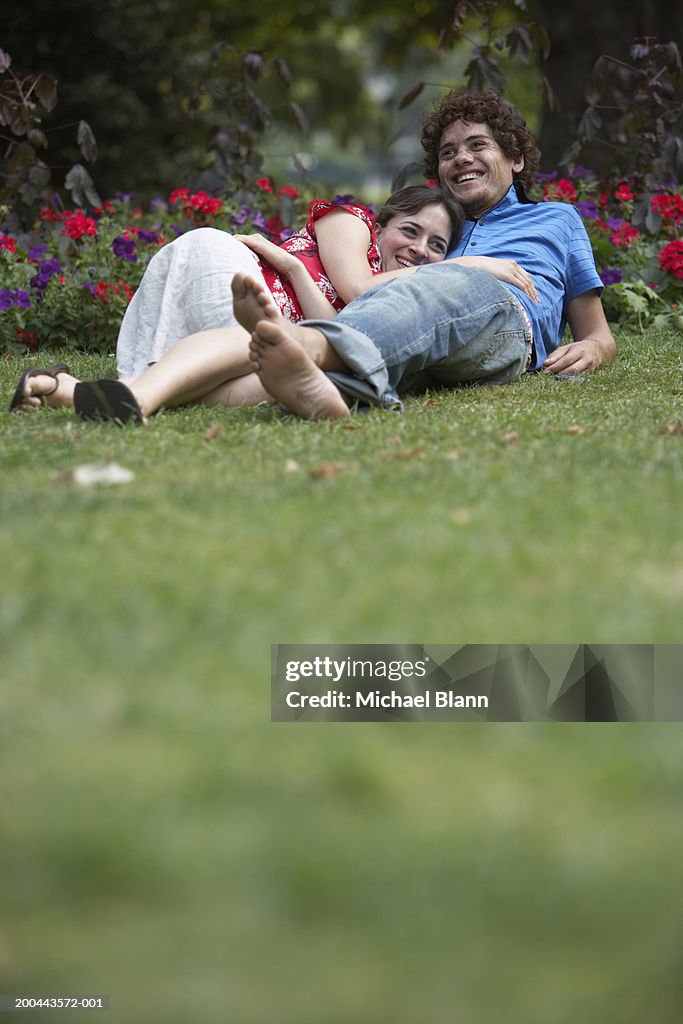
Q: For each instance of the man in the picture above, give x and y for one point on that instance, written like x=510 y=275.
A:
x=449 y=324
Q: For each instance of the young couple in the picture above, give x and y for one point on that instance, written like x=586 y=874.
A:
x=516 y=273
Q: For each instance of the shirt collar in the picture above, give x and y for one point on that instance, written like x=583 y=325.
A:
x=509 y=199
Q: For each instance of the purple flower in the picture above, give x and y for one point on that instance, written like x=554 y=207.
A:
x=541 y=176
x=347 y=200
x=46 y=271
x=14 y=297
x=90 y=286
x=582 y=172
x=588 y=209
x=610 y=275
x=159 y=205
x=36 y=251
x=124 y=197
x=259 y=221
x=149 y=236
x=615 y=223
x=242 y=215
x=124 y=248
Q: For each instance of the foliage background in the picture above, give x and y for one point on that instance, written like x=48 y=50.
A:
x=133 y=70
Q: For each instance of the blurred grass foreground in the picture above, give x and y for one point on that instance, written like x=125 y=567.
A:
x=162 y=842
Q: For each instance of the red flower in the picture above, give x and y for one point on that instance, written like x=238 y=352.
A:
x=288 y=190
x=671 y=258
x=625 y=235
x=274 y=226
x=668 y=207
x=8 y=243
x=265 y=184
x=203 y=203
x=562 y=190
x=624 y=193
x=49 y=215
x=76 y=225
x=178 y=193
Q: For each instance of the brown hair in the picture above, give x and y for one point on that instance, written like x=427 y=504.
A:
x=413 y=198
x=506 y=123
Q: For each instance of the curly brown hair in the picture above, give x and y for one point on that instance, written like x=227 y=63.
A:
x=506 y=123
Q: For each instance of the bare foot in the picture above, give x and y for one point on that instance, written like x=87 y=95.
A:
x=253 y=303
x=289 y=374
x=43 y=389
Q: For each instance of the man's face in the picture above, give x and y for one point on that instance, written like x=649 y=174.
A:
x=473 y=167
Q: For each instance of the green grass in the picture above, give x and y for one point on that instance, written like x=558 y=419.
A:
x=162 y=841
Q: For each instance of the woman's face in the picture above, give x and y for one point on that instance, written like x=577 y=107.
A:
x=411 y=239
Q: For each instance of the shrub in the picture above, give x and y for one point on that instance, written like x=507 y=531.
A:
x=69 y=281
x=637 y=245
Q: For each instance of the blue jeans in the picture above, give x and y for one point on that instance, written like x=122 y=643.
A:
x=442 y=326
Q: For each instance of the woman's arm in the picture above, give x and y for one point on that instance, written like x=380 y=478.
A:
x=505 y=270
x=343 y=242
x=314 y=305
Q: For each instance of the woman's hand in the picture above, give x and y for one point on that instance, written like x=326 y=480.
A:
x=505 y=270
x=279 y=260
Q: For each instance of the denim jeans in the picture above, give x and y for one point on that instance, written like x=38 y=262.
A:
x=444 y=325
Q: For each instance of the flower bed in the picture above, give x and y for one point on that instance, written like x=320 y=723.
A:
x=637 y=245
x=69 y=281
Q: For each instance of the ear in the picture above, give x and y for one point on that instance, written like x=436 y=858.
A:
x=518 y=165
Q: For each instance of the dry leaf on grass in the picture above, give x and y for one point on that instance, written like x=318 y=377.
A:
x=212 y=433
x=576 y=430
x=673 y=428
x=292 y=466
x=512 y=437
x=405 y=453
x=330 y=470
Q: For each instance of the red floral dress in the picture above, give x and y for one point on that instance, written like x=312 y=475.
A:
x=304 y=245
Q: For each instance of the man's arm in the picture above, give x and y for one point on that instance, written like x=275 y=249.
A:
x=593 y=342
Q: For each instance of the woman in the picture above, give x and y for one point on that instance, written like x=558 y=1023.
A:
x=343 y=255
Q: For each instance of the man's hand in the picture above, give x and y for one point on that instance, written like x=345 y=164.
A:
x=577 y=357
x=593 y=342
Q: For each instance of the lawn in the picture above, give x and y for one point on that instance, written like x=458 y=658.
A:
x=162 y=842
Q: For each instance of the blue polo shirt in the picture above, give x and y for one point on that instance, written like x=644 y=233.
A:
x=550 y=241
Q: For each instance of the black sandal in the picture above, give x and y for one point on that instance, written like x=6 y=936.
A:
x=108 y=400
x=19 y=397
